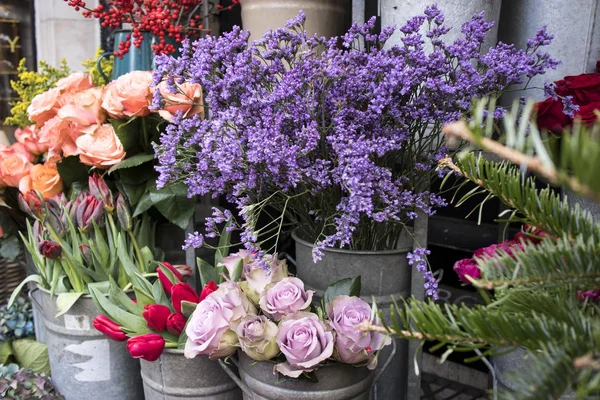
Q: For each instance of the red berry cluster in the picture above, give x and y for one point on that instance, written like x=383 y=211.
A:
x=170 y=21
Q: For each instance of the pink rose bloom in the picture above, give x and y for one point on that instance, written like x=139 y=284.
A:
x=467 y=266
x=100 y=147
x=43 y=106
x=20 y=149
x=353 y=346
x=13 y=167
x=305 y=341
x=285 y=297
x=76 y=82
x=59 y=135
x=84 y=108
x=30 y=139
x=508 y=246
x=188 y=100
x=128 y=95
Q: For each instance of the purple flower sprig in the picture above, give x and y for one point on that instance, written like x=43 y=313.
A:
x=418 y=259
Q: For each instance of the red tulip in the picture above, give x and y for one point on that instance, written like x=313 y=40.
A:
x=175 y=323
x=156 y=316
x=32 y=203
x=208 y=289
x=164 y=281
x=183 y=292
x=109 y=328
x=50 y=249
x=148 y=346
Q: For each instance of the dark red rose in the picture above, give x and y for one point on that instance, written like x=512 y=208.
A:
x=149 y=346
x=156 y=316
x=50 y=249
x=175 y=323
x=109 y=328
x=183 y=292
x=550 y=115
x=208 y=289
x=584 y=88
x=587 y=113
x=164 y=281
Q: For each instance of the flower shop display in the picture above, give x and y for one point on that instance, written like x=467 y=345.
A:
x=24 y=384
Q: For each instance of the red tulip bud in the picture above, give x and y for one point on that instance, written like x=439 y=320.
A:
x=90 y=209
x=208 y=289
x=156 y=316
x=183 y=292
x=101 y=192
x=149 y=346
x=175 y=323
x=86 y=253
x=164 y=281
x=124 y=213
x=32 y=203
x=109 y=328
x=50 y=249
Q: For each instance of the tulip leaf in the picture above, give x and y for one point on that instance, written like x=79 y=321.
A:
x=148 y=258
x=15 y=293
x=133 y=161
x=169 y=274
x=225 y=238
x=71 y=170
x=65 y=301
x=133 y=323
x=159 y=294
x=187 y=308
x=346 y=287
x=31 y=354
x=5 y=352
x=207 y=272
x=237 y=270
x=116 y=294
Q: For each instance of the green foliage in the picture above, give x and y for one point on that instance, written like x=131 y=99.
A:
x=91 y=67
x=31 y=83
x=27 y=385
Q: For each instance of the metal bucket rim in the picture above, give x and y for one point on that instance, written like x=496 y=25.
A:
x=317 y=367
x=84 y=296
x=346 y=251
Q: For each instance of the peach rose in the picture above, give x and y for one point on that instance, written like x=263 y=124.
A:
x=188 y=100
x=30 y=139
x=76 y=82
x=13 y=166
x=19 y=148
x=128 y=95
x=59 y=135
x=84 y=108
x=44 y=178
x=43 y=106
x=100 y=147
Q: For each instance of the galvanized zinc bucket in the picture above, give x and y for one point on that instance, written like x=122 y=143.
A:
x=334 y=381
x=173 y=377
x=84 y=363
x=384 y=275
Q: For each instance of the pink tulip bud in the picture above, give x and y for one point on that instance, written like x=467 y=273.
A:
x=88 y=211
x=101 y=192
x=32 y=203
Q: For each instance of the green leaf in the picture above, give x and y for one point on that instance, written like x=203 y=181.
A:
x=133 y=323
x=237 y=270
x=159 y=294
x=169 y=274
x=5 y=352
x=143 y=174
x=65 y=301
x=71 y=170
x=207 y=272
x=31 y=354
x=15 y=293
x=116 y=294
x=133 y=161
x=178 y=210
x=187 y=308
x=347 y=287
x=128 y=133
x=133 y=192
x=225 y=239
x=143 y=205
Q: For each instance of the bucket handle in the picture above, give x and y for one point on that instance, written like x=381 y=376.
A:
x=236 y=378
x=99 y=65
x=34 y=300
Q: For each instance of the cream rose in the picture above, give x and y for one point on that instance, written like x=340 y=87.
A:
x=44 y=178
x=128 y=95
x=100 y=147
x=188 y=100
x=84 y=108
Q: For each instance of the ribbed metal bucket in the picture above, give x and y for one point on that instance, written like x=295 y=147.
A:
x=84 y=363
x=384 y=275
x=334 y=382
x=173 y=377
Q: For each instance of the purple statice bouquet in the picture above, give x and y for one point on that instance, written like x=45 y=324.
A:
x=337 y=138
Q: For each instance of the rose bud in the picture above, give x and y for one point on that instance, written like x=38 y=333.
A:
x=88 y=211
x=50 y=249
x=148 y=346
x=86 y=253
x=101 y=192
x=164 y=281
x=156 y=316
x=175 y=323
x=285 y=297
x=257 y=336
x=32 y=203
x=208 y=289
x=124 y=213
x=109 y=328
x=183 y=292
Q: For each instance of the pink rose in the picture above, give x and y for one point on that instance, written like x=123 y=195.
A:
x=30 y=139
x=188 y=100
x=20 y=149
x=76 y=82
x=305 y=341
x=354 y=346
x=128 y=95
x=467 y=267
x=100 y=147
x=44 y=106
x=285 y=297
x=59 y=135
x=84 y=108
x=13 y=166
x=231 y=260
